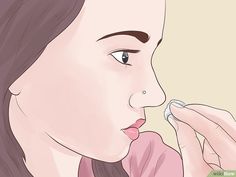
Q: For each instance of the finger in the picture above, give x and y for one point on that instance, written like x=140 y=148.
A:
x=189 y=145
x=215 y=167
x=222 y=117
x=209 y=155
x=214 y=133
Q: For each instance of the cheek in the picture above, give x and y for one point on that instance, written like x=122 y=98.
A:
x=65 y=101
x=73 y=109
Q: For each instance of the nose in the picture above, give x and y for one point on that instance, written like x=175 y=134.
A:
x=150 y=93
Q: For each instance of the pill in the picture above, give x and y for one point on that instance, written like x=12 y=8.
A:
x=167 y=111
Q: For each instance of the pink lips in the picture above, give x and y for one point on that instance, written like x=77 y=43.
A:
x=133 y=131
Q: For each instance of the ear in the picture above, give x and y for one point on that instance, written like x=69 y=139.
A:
x=16 y=87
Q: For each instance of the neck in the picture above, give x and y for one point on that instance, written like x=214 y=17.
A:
x=44 y=155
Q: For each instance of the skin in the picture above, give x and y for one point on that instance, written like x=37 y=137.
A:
x=218 y=127
x=75 y=99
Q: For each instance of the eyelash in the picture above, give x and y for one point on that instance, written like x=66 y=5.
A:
x=124 y=51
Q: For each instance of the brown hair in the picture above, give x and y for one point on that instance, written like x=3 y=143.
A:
x=26 y=28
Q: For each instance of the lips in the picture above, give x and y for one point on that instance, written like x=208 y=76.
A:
x=138 y=123
x=133 y=131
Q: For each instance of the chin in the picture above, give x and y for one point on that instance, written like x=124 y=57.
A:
x=116 y=157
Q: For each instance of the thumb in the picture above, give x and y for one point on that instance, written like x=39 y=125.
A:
x=190 y=147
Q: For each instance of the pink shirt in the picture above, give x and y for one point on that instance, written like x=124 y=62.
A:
x=148 y=157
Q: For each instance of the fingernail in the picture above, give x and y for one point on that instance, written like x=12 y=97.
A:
x=173 y=122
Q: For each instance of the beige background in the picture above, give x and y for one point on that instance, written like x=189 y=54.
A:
x=196 y=61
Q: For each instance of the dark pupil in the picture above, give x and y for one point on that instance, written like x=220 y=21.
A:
x=125 y=57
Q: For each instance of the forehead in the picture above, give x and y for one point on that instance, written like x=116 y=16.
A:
x=108 y=16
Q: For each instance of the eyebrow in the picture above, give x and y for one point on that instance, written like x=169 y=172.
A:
x=141 y=36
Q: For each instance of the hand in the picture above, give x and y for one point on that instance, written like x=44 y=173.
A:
x=217 y=126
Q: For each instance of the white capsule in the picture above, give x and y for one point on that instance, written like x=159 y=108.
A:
x=167 y=111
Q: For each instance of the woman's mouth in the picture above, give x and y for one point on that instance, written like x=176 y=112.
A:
x=133 y=131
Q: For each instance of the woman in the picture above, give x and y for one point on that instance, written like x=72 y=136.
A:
x=75 y=79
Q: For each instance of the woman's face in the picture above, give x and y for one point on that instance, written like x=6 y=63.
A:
x=81 y=92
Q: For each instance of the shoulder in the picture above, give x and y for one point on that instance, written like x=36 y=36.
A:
x=150 y=156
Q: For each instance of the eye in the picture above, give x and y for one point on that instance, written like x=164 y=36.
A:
x=121 y=56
